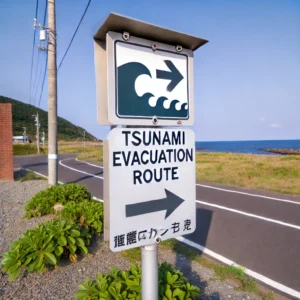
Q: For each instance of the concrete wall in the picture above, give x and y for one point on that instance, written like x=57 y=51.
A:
x=6 y=144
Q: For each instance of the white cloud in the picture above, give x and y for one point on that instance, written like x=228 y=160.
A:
x=275 y=125
x=262 y=119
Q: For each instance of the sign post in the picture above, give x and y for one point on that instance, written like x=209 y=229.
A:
x=144 y=80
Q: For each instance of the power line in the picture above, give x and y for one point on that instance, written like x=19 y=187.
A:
x=46 y=64
x=45 y=72
x=35 y=77
x=74 y=34
x=32 y=56
x=45 y=13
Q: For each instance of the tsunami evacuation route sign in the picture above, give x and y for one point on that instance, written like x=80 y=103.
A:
x=144 y=83
x=152 y=192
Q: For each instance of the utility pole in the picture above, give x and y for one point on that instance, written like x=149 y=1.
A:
x=37 y=124
x=52 y=96
x=84 y=140
x=24 y=134
x=44 y=140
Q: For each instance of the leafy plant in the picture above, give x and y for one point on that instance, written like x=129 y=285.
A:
x=68 y=238
x=173 y=285
x=42 y=203
x=44 y=245
x=88 y=214
x=123 y=285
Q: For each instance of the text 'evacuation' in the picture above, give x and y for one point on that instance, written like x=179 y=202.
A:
x=153 y=157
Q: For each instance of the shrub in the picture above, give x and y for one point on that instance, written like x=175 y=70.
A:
x=127 y=285
x=88 y=214
x=42 y=203
x=44 y=245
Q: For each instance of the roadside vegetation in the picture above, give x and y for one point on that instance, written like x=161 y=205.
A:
x=265 y=172
x=26 y=149
x=77 y=218
x=23 y=175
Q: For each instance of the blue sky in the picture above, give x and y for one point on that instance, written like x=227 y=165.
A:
x=247 y=78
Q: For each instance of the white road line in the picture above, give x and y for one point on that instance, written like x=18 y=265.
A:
x=217 y=206
x=248 y=194
x=37 y=173
x=221 y=189
x=79 y=171
x=262 y=278
x=97 y=166
x=278 y=286
x=250 y=215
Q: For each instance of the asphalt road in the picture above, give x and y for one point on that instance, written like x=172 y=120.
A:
x=258 y=230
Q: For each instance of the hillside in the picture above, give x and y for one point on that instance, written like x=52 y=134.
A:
x=23 y=117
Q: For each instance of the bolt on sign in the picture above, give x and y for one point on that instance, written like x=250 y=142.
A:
x=151 y=185
x=144 y=81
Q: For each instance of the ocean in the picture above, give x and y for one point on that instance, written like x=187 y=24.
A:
x=250 y=147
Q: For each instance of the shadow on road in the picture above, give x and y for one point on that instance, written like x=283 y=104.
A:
x=184 y=263
x=85 y=177
x=35 y=165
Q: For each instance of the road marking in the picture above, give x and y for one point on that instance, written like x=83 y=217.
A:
x=278 y=286
x=248 y=194
x=221 y=258
x=222 y=189
x=82 y=161
x=250 y=215
x=76 y=170
x=37 y=173
x=217 y=206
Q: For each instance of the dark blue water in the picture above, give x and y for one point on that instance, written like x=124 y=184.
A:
x=247 y=146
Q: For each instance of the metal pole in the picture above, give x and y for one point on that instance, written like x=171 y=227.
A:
x=84 y=140
x=24 y=134
x=149 y=272
x=37 y=133
x=52 y=96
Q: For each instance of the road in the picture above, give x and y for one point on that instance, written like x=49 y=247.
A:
x=258 y=230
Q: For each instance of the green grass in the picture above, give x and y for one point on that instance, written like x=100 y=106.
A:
x=23 y=175
x=26 y=149
x=264 y=172
x=221 y=272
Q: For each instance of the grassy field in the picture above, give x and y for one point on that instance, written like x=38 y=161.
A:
x=265 y=172
x=27 y=149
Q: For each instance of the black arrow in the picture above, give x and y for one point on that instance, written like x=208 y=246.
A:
x=174 y=75
x=169 y=203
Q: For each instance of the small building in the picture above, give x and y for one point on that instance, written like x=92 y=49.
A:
x=21 y=139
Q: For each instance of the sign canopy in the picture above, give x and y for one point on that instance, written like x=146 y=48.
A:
x=144 y=74
x=151 y=185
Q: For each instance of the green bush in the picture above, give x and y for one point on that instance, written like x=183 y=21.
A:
x=123 y=285
x=42 y=203
x=45 y=245
x=88 y=214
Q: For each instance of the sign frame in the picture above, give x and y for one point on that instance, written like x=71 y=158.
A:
x=112 y=38
x=149 y=34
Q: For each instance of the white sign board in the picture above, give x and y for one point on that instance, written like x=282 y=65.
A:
x=152 y=192
x=148 y=81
